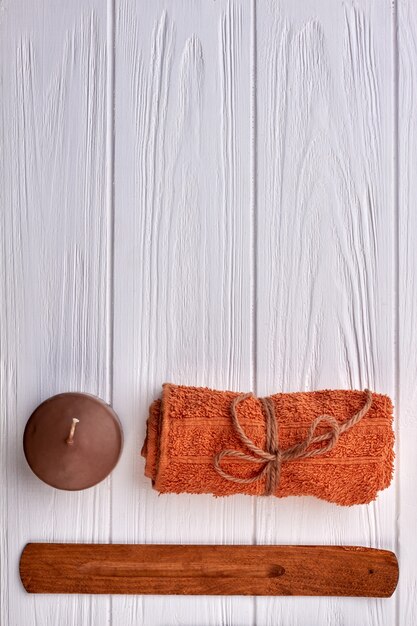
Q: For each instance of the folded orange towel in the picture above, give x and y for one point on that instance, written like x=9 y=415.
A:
x=335 y=445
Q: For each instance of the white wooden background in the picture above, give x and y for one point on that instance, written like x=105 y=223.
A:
x=217 y=193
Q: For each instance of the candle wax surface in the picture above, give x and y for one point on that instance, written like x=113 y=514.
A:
x=96 y=447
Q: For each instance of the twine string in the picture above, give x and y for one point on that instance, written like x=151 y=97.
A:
x=274 y=456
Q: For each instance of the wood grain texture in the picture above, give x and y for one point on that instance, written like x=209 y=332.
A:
x=208 y=570
x=182 y=261
x=407 y=307
x=254 y=221
x=54 y=272
x=325 y=264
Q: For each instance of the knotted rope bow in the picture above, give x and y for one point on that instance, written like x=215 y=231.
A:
x=273 y=456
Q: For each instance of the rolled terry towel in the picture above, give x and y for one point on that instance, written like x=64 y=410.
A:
x=336 y=445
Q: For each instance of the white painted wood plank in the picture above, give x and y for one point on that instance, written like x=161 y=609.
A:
x=54 y=233
x=325 y=282
x=407 y=311
x=182 y=261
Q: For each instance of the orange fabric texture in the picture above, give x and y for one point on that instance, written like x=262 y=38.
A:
x=188 y=426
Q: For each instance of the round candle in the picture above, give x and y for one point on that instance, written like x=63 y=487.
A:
x=73 y=441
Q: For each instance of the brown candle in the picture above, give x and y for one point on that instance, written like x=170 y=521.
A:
x=73 y=441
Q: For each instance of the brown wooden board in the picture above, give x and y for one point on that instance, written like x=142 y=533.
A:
x=208 y=570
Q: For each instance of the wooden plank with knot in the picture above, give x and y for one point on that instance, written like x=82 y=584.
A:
x=208 y=570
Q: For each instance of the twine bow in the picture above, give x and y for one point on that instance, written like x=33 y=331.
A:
x=273 y=456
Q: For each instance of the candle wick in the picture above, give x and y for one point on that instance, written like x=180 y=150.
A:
x=70 y=439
